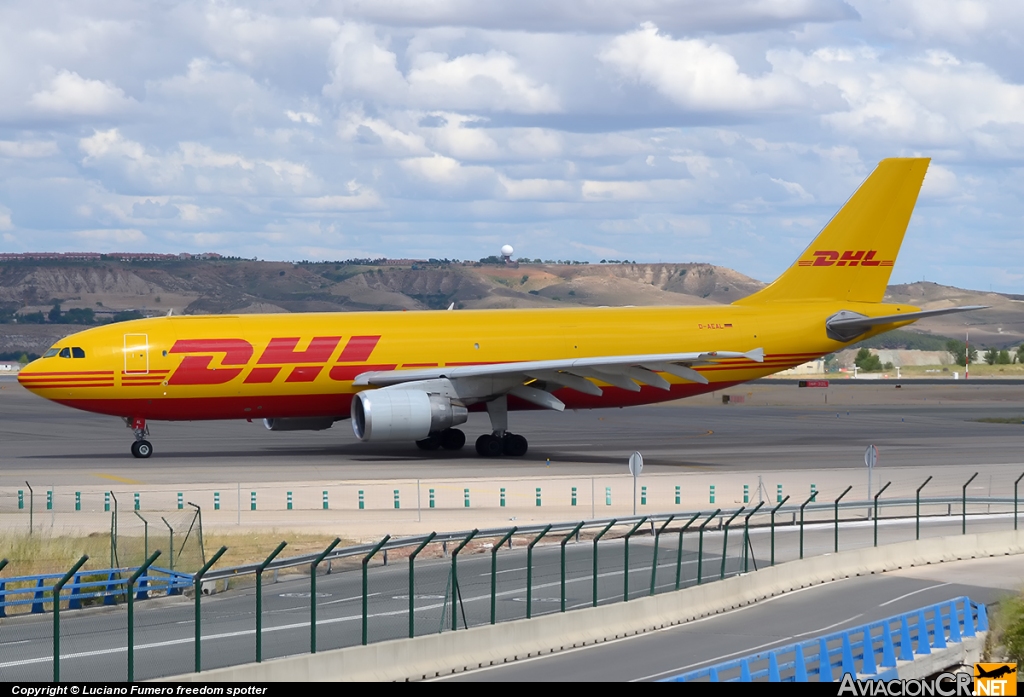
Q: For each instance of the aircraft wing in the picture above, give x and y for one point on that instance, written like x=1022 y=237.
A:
x=622 y=371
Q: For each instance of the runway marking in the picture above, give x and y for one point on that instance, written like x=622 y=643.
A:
x=920 y=590
x=115 y=478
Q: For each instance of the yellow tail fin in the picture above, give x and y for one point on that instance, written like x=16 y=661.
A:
x=852 y=258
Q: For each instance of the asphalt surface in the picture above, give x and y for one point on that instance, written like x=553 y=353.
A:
x=778 y=427
x=793 y=617
x=93 y=641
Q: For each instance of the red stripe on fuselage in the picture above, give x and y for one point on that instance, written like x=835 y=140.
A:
x=338 y=405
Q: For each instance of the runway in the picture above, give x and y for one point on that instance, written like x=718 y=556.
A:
x=776 y=428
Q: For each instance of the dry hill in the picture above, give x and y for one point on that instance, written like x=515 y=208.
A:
x=238 y=286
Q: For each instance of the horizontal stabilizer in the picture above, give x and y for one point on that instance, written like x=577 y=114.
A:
x=846 y=326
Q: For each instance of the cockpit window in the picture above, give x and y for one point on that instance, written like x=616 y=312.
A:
x=65 y=352
x=50 y=353
x=77 y=352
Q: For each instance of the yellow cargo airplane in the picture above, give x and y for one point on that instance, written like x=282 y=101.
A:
x=414 y=376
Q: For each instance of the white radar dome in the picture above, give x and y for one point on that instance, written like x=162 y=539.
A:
x=507 y=250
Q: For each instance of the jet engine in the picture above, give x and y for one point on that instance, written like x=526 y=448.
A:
x=403 y=414
x=315 y=423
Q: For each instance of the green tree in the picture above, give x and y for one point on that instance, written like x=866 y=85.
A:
x=32 y=318
x=1004 y=357
x=1020 y=353
x=127 y=315
x=867 y=361
x=991 y=356
x=957 y=349
x=54 y=315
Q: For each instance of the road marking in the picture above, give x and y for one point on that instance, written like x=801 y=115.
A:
x=921 y=590
x=655 y=631
x=115 y=478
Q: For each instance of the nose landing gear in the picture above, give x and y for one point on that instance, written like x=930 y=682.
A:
x=141 y=448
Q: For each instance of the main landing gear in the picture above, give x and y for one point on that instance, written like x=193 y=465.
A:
x=449 y=439
x=141 y=448
x=500 y=441
x=494 y=444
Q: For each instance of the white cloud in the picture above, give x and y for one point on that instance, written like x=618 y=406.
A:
x=793 y=189
x=363 y=66
x=695 y=74
x=71 y=94
x=302 y=117
x=28 y=148
x=930 y=98
x=5 y=219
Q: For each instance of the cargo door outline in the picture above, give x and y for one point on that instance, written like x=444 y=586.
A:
x=136 y=354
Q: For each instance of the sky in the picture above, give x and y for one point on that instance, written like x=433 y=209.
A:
x=726 y=132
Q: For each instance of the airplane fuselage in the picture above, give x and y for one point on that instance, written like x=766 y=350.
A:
x=303 y=365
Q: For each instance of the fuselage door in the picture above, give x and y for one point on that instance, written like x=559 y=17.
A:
x=136 y=354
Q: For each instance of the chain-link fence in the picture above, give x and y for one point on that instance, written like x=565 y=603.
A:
x=443 y=582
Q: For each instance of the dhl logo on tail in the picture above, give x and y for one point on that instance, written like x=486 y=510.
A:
x=848 y=258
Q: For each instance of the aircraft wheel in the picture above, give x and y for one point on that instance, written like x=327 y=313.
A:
x=431 y=442
x=488 y=446
x=514 y=445
x=142 y=449
x=452 y=439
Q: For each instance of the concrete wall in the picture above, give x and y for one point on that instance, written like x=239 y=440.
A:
x=439 y=654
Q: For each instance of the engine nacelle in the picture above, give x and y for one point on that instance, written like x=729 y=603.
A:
x=403 y=414
x=314 y=423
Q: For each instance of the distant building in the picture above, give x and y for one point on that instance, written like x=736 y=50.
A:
x=97 y=256
x=9 y=367
x=815 y=367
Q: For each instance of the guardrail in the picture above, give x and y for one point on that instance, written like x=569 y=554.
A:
x=699 y=550
x=108 y=585
x=875 y=648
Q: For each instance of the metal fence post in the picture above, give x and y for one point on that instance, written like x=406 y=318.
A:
x=456 y=593
x=596 y=540
x=654 y=563
x=145 y=533
x=1015 y=500
x=312 y=591
x=963 y=505
x=197 y=588
x=259 y=599
x=494 y=572
x=876 y=509
x=131 y=612
x=564 y=541
x=679 y=555
x=171 y=562
x=625 y=560
x=529 y=571
x=774 y=511
x=57 y=587
x=746 y=535
x=412 y=584
x=845 y=492
x=725 y=539
x=700 y=544
x=366 y=560
x=917 y=509
x=802 y=505
x=31 y=507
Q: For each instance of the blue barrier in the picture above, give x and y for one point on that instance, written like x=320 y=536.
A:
x=875 y=647
x=39 y=588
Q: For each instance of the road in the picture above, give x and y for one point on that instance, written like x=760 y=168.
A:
x=796 y=616
x=93 y=641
